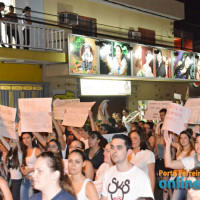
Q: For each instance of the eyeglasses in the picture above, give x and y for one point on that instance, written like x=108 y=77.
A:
x=51 y=147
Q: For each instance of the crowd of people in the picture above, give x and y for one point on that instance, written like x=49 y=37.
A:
x=79 y=163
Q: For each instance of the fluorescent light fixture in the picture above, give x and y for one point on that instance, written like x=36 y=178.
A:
x=90 y=87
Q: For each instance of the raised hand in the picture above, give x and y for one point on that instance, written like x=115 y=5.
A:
x=168 y=138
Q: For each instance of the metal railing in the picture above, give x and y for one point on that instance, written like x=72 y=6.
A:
x=33 y=37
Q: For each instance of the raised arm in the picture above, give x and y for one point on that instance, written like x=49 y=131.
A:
x=40 y=138
x=175 y=145
x=60 y=135
x=92 y=121
x=75 y=132
x=169 y=163
x=103 y=118
x=106 y=112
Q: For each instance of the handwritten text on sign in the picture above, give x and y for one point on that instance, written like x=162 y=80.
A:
x=153 y=108
x=76 y=113
x=176 y=118
x=7 y=121
x=59 y=107
x=35 y=115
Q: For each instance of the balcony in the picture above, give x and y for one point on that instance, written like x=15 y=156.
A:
x=39 y=43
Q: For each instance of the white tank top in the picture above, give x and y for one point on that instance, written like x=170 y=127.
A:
x=15 y=174
x=31 y=160
x=81 y=195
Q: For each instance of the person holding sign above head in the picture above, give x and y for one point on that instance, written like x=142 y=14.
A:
x=14 y=161
x=56 y=134
x=30 y=153
x=83 y=132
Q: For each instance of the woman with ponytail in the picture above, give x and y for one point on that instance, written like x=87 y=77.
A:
x=84 y=188
x=49 y=178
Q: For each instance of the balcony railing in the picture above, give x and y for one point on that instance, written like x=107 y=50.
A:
x=33 y=37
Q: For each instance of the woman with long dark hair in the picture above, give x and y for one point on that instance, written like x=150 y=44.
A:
x=84 y=188
x=14 y=161
x=94 y=153
x=30 y=153
x=141 y=156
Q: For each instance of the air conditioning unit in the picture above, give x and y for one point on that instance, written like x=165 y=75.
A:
x=68 y=18
x=135 y=35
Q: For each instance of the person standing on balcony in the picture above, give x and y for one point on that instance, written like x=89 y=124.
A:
x=25 y=28
x=2 y=7
x=12 y=30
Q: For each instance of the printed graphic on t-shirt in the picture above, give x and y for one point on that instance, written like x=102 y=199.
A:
x=118 y=189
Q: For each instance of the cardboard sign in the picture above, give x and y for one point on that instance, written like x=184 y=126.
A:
x=153 y=108
x=7 y=121
x=108 y=137
x=76 y=113
x=194 y=106
x=59 y=107
x=35 y=114
x=176 y=118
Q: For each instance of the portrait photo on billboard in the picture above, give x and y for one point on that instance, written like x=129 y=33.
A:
x=197 y=66
x=143 y=61
x=183 y=65
x=115 y=58
x=83 y=57
x=162 y=58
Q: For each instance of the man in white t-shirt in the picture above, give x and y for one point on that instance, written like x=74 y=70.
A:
x=124 y=181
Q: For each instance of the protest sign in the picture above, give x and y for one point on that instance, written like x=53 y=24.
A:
x=76 y=113
x=59 y=107
x=176 y=118
x=194 y=106
x=7 y=121
x=109 y=136
x=153 y=108
x=35 y=114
